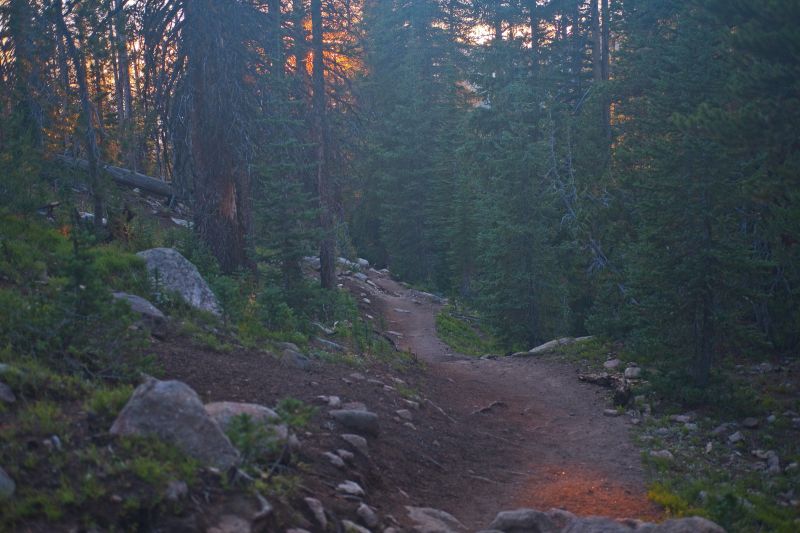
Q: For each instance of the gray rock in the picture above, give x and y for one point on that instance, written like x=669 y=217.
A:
x=141 y=306
x=368 y=515
x=344 y=454
x=360 y=276
x=351 y=527
x=773 y=463
x=560 y=517
x=662 y=454
x=363 y=263
x=750 y=422
x=363 y=422
x=596 y=524
x=335 y=460
x=231 y=524
x=523 y=521
x=296 y=360
x=175 y=273
x=331 y=345
x=176 y=490
x=633 y=372
x=694 y=524
x=358 y=442
x=7 y=485
x=313 y=262
x=223 y=413
x=172 y=411
x=351 y=488
x=552 y=345
x=736 y=437
x=429 y=520
x=6 y=394
x=316 y=508
x=405 y=414
x=611 y=412
x=681 y=419
x=611 y=364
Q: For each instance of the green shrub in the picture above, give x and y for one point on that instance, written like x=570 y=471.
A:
x=106 y=403
x=462 y=336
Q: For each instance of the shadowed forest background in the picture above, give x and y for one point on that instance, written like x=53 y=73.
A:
x=562 y=167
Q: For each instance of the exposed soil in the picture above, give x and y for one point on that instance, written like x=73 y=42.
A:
x=489 y=435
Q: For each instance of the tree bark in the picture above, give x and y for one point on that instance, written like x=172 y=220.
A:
x=327 y=243
x=597 y=59
x=123 y=78
x=124 y=176
x=92 y=154
x=606 y=66
x=534 y=27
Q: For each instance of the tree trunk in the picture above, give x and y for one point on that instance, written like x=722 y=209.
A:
x=606 y=66
x=124 y=96
x=92 y=154
x=597 y=59
x=26 y=69
x=327 y=244
x=534 y=26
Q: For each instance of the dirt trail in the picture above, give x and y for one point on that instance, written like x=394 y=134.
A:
x=547 y=443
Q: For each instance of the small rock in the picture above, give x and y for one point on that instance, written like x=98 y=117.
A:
x=792 y=467
x=771 y=419
x=594 y=524
x=356 y=406
x=352 y=527
x=297 y=530
x=350 y=488
x=7 y=485
x=231 y=524
x=367 y=515
x=176 y=490
x=429 y=520
x=360 y=421
x=662 y=454
x=691 y=426
x=681 y=419
x=773 y=463
x=611 y=412
x=750 y=422
x=633 y=372
x=694 y=524
x=736 y=437
x=358 y=376
x=611 y=364
x=296 y=360
x=346 y=455
x=363 y=263
x=709 y=447
x=523 y=520
x=360 y=276
x=6 y=394
x=366 y=301
x=411 y=403
x=720 y=429
x=358 y=442
x=334 y=459
x=316 y=508
x=404 y=414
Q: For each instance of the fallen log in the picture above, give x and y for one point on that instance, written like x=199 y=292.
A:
x=123 y=176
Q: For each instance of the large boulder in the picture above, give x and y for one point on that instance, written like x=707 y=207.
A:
x=175 y=273
x=151 y=316
x=173 y=412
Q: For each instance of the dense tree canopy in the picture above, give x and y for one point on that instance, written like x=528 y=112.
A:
x=623 y=168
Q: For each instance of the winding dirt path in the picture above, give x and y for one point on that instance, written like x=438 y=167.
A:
x=547 y=443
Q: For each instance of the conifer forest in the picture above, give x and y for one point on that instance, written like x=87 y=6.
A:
x=475 y=256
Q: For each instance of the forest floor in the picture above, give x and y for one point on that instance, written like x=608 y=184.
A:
x=489 y=435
